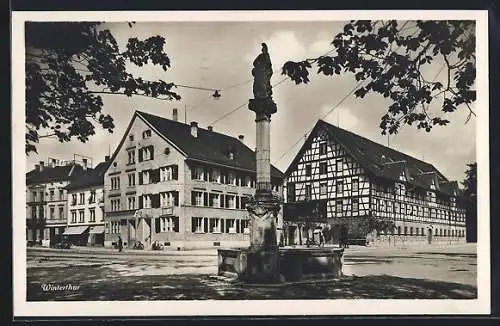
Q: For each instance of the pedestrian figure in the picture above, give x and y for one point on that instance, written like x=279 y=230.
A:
x=343 y=236
x=120 y=244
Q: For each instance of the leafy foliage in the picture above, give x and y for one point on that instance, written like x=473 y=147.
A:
x=390 y=58
x=69 y=65
x=373 y=223
x=470 y=182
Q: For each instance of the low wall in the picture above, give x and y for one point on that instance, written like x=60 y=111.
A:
x=296 y=264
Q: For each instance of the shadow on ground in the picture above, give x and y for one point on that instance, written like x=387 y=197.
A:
x=100 y=283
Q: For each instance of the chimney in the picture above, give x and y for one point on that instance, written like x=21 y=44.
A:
x=241 y=137
x=175 y=115
x=42 y=164
x=210 y=128
x=37 y=167
x=84 y=164
x=106 y=158
x=54 y=162
x=194 y=129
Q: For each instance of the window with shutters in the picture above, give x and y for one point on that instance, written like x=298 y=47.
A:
x=73 y=199
x=197 y=173
x=215 y=175
x=230 y=225
x=145 y=177
x=244 y=201
x=168 y=173
x=146 y=134
x=115 y=205
x=244 y=226
x=131 y=179
x=146 y=201
x=167 y=224
x=131 y=203
x=73 y=216
x=214 y=200
x=146 y=153
x=215 y=225
x=82 y=198
x=131 y=156
x=248 y=181
x=231 y=178
x=230 y=201
x=115 y=183
x=198 y=225
x=197 y=198
x=92 y=215
x=81 y=215
x=169 y=199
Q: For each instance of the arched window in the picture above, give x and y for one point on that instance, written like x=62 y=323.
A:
x=399 y=230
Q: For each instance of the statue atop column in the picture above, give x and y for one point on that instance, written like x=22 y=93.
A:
x=262 y=90
x=262 y=72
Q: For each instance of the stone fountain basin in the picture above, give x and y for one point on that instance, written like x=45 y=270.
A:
x=295 y=264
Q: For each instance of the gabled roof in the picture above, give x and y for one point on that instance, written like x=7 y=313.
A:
x=209 y=147
x=379 y=160
x=54 y=174
x=90 y=178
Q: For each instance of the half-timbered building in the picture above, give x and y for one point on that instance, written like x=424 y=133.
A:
x=340 y=180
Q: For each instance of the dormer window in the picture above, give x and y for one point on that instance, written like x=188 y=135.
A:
x=146 y=134
x=433 y=185
x=402 y=176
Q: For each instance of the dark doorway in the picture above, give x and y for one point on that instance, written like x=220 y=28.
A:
x=429 y=235
x=291 y=234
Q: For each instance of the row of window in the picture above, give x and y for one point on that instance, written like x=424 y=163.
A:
x=144 y=154
x=421 y=231
x=52 y=212
x=40 y=196
x=323 y=167
x=163 y=199
x=166 y=173
x=79 y=199
x=218 y=225
x=218 y=200
x=323 y=190
x=386 y=206
x=198 y=225
x=80 y=214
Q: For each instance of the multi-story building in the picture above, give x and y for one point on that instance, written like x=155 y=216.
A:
x=86 y=207
x=46 y=200
x=341 y=180
x=180 y=185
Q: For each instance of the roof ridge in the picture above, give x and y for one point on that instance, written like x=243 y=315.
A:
x=187 y=125
x=374 y=142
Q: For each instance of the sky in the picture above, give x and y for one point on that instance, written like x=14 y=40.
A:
x=219 y=55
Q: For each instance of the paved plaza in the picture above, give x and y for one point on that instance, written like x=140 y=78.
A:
x=370 y=273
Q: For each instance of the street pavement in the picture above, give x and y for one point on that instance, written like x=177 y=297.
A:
x=105 y=274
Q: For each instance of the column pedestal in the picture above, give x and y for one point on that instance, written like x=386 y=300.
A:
x=263 y=255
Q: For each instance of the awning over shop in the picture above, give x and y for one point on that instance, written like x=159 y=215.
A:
x=75 y=230
x=98 y=229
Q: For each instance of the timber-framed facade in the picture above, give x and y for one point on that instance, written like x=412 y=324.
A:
x=352 y=180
